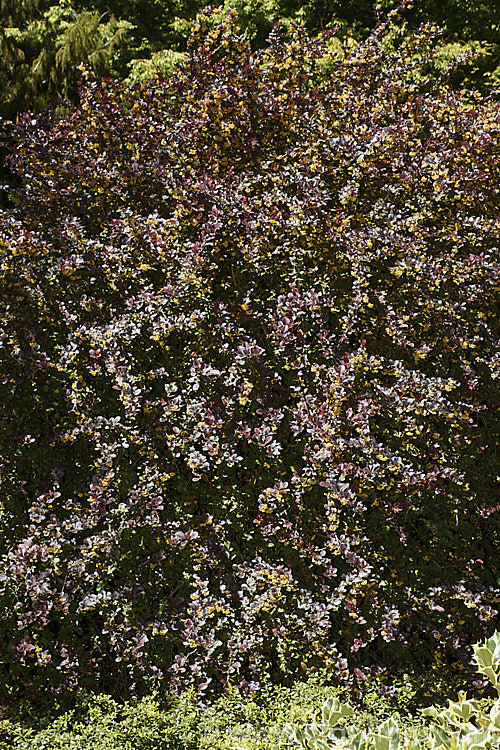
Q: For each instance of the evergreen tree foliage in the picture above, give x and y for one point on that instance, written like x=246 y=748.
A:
x=41 y=45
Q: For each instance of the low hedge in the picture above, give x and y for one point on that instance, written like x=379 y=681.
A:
x=280 y=718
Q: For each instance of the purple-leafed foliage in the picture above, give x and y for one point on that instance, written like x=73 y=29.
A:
x=248 y=371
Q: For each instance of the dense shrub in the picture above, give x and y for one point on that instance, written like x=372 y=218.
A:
x=248 y=372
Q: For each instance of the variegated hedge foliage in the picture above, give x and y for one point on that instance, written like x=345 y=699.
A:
x=464 y=725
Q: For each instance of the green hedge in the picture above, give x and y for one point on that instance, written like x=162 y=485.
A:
x=177 y=723
x=279 y=718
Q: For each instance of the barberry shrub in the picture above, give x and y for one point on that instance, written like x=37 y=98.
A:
x=249 y=360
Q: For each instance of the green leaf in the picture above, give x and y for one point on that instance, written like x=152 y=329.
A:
x=441 y=737
x=484 y=656
x=387 y=736
x=495 y=714
x=333 y=711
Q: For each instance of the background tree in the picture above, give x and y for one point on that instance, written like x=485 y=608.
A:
x=41 y=45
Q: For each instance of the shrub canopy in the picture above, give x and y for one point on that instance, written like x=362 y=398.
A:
x=249 y=359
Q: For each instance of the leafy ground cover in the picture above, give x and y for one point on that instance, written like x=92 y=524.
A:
x=249 y=373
